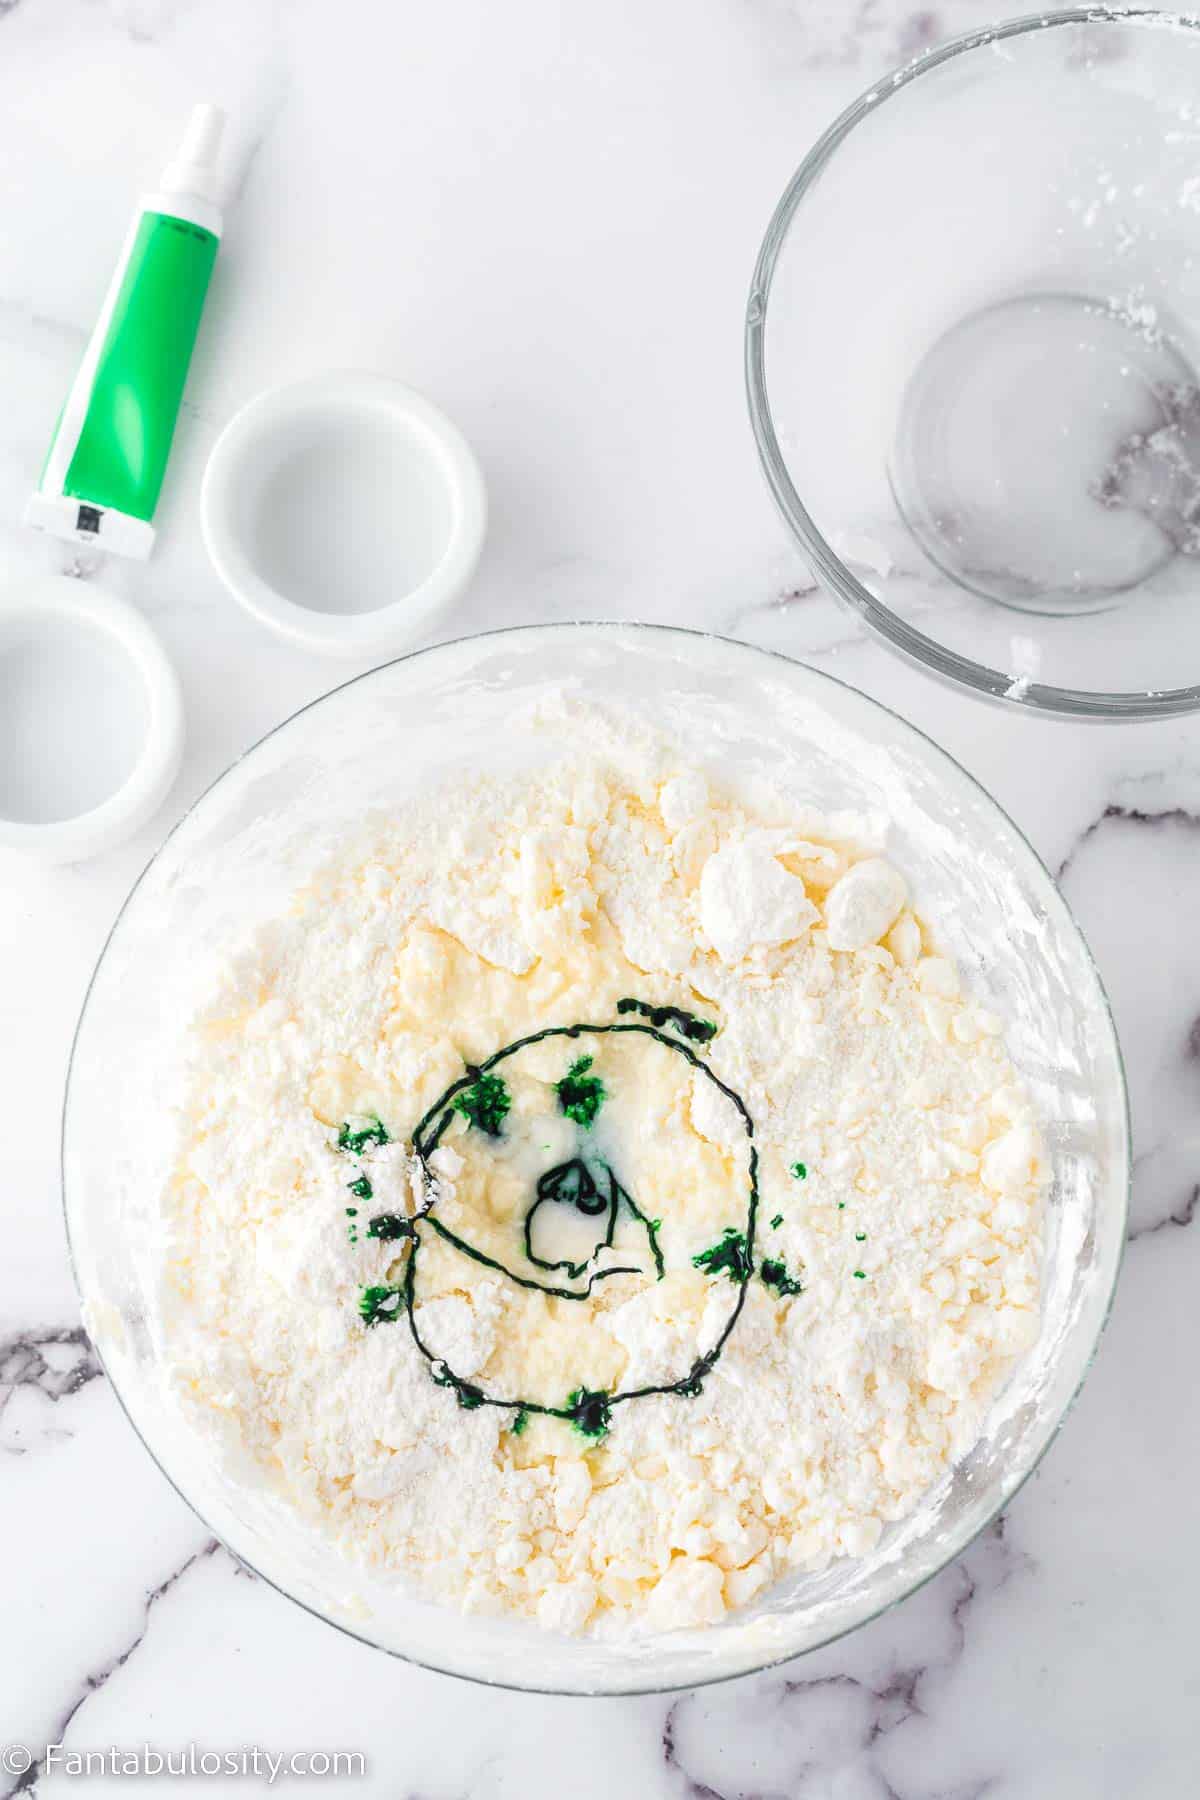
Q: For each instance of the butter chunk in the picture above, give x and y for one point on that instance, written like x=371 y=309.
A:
x=864 y=905
x=749 y=900
x=692 y=1592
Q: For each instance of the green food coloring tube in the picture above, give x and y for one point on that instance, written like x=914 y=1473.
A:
x=106 y=463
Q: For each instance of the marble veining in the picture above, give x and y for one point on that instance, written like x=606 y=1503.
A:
x=95 y=1679
x=1127 y=815
x=1182 y=1213
x=866 y=1709
x=548 y=222
x=54 y=1364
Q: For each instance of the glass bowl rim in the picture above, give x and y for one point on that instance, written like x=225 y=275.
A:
x=615 y=627
x=925 y=652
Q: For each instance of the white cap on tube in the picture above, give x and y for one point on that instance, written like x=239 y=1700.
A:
x=194 y=168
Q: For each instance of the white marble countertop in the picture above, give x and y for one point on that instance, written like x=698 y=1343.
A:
x=545 y=216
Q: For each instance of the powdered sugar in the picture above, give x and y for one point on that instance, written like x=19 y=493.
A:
x=504 y=908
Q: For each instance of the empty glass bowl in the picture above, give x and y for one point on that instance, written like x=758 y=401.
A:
x=972 y=349
x=441 y=716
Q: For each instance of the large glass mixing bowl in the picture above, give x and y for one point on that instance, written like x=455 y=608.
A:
x=973 y=361
x=258 y=832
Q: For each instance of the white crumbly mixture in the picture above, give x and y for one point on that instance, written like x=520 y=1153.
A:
x=511 y=906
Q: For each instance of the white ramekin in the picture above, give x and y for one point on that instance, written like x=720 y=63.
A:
x=60 y=603
x=346 y=413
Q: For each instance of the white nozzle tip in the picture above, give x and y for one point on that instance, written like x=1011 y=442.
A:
x=202 y=139
x=196 y=168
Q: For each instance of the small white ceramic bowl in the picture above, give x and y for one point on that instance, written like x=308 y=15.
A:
x=344 y=512
x=91 y=720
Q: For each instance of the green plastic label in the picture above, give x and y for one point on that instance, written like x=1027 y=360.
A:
x=122 y=452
